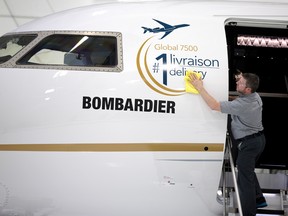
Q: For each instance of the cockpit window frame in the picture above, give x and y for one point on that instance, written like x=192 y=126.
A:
x=16 y=62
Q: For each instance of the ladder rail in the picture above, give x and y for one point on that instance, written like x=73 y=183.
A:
x=233 y=171
x=224 y=189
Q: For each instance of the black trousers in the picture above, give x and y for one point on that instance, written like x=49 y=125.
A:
x=248 y=153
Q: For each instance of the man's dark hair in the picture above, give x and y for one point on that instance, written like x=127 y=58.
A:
x=252 y=81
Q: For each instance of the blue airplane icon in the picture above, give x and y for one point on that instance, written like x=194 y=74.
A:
x=167 y=28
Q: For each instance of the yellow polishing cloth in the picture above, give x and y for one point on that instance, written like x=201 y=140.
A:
x=188 y=86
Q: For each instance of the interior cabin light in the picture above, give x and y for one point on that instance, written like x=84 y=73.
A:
x=262 y=41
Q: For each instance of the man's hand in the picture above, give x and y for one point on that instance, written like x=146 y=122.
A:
x=196 y=82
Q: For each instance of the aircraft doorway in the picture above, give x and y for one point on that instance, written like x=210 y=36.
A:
x=264 y=50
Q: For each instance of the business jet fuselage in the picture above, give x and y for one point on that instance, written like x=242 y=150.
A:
x=95 y=117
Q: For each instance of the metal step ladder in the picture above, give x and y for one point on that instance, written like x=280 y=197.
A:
x=228 y=194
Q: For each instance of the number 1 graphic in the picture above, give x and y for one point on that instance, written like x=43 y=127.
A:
x=164 y=60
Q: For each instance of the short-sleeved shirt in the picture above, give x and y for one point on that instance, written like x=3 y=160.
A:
x=246 y=114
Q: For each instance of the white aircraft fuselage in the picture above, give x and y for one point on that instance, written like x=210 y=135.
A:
x=116 y=133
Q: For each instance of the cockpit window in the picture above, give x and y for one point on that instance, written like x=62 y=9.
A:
x=74 y=50
x=10 y=45
x=63 y=50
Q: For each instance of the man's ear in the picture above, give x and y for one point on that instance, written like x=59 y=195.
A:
x=248 y=89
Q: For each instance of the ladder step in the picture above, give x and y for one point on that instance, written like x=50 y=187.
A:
x=261 y=211
x=272 y=191
x=270 y=211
